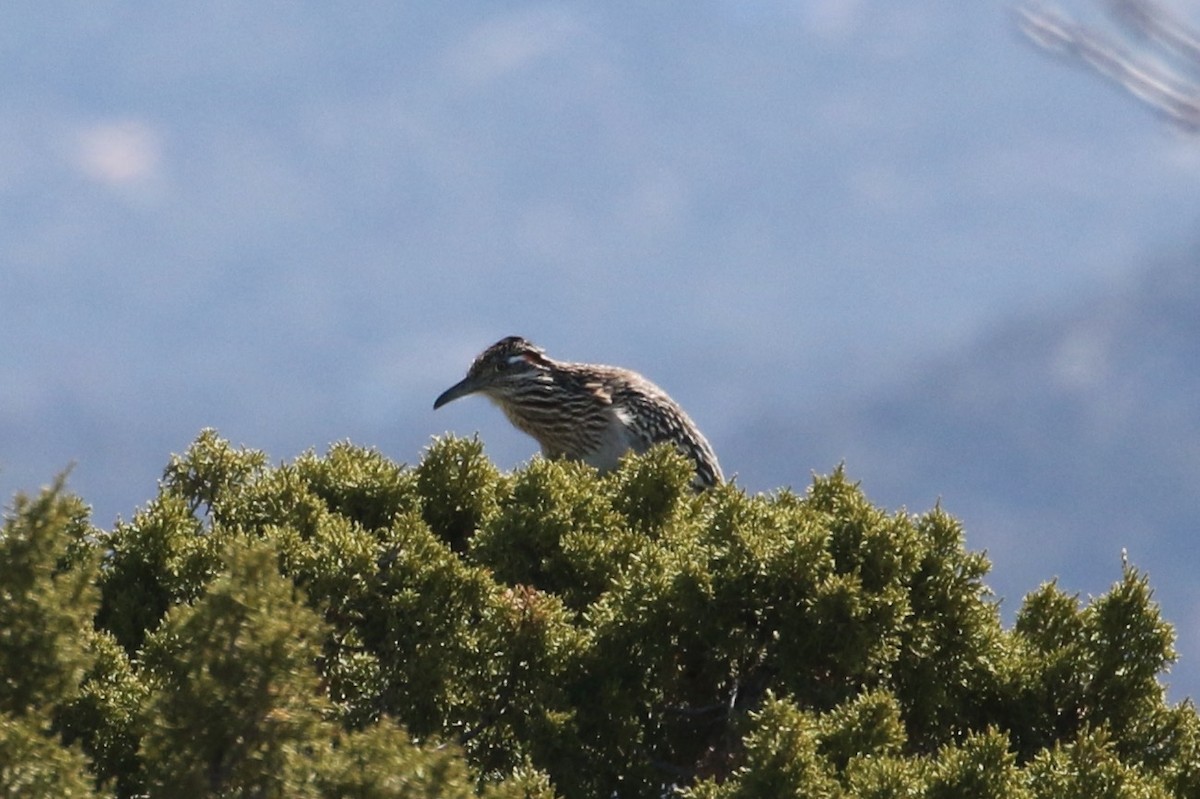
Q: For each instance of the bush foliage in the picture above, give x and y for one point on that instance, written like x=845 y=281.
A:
x=342 y=626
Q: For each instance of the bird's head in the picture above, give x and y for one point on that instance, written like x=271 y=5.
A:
x=499 y=372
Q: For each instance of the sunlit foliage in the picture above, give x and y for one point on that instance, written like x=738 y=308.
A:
x=345 y=626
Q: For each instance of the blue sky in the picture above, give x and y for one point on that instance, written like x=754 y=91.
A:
x=274 y=206
x=298 y=225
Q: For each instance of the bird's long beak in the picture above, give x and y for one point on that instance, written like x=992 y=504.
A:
x=468 y=385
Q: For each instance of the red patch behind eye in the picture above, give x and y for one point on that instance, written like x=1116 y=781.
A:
x=535 y=358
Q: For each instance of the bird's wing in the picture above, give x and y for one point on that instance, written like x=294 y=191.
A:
x=649 y=417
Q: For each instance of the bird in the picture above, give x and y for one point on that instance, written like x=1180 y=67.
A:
x=581 y=411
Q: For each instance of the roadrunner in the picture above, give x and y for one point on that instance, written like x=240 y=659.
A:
x=581 y=411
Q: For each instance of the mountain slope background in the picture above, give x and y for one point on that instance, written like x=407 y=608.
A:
x=1061 y=439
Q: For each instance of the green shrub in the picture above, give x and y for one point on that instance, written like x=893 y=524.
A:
x=346 y=626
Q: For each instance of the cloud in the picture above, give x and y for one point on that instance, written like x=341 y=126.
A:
x=507 y=43
x=1081 y=359
x=119 y=152
x=832 y=19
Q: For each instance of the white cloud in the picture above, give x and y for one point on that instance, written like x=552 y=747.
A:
x=508 y=43
x=119 y=152
x=884 y=187
x=555 y=232
x=657 y=204
x=1081 y=360
x=832 y=19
